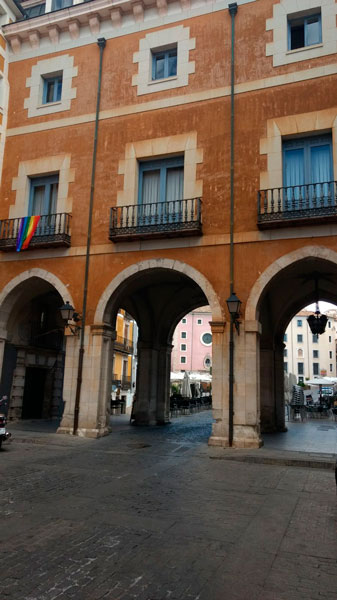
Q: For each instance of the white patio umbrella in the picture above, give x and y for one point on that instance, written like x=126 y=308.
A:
x=186 y=388
x=320 y=381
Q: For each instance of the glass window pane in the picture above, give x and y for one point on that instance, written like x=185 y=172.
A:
x=159 y=70
x=38 y=199
x=296 y=36
x=151 y=186
x=313 y=31
x=172 y=64
x=52 y=193
x=175 y=184
x=58 y=89
x=50 y=91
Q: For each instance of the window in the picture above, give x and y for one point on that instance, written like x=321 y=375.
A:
x=315 y=353
x=329 y=324
x=285 y=352
x=183 y=335
x=207 y=362
x=183 y=359
x=35 y=11
x=285 y=337
x=300 y=380
x=206 y=339
x=164 y=64
x=315 y=338
x=285 y=367
x=52 y=89
x=199 y=321
x=315 y=368
x=330 y=368
x=304 y=31
x=183 y=347
x=183 y=321
x=300 y=368
x=330 y=339
x=299 y=322
x=161 y=181
x=300 y=338
x=307 y=164
x=300 y=353
x=330 y=354
x=43 y=195
x=58 y=4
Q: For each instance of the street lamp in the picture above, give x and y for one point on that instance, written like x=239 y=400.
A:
x=233 y=305
x=68 y=313
x=317 y=322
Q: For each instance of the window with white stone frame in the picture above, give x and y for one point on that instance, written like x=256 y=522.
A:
x=163 y=60
x=302 y=30
x=58 y=69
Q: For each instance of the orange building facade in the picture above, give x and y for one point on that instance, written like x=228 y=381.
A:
x=158 y=188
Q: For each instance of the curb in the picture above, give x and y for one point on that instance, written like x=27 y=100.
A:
x=282 y=461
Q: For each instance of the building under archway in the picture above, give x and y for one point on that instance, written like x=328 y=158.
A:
x=32 y=335
x=286 y=293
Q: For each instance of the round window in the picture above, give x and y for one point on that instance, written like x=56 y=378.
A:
x=206 y=339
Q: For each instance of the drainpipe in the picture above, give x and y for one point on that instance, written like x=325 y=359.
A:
x=232 y=11
x=101 y=44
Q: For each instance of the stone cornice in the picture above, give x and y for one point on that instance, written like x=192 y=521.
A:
x=86 y=14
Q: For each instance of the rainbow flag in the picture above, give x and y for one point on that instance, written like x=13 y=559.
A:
x=26 y=231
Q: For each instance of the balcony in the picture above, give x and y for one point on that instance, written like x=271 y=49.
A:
x=126 y=382
x=177 y=218
x=52 y=231
x=309 y=204
x=123 y=345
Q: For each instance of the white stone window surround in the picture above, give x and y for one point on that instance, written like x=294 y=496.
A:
x=39 y=167
x=185 y=143
x=278 y=24
x=161 y=40
x=312 y=123
x=63 y=64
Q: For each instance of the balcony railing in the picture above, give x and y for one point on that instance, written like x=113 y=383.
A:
x=123 y=344
x=126 y=382
x=52 y=230
x=155 y=220
x=297 y=205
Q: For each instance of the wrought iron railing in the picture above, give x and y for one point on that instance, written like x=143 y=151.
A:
x=52 y=230
x=159 y=219
x=123 y=344
x=126 y=382
x=297 y=203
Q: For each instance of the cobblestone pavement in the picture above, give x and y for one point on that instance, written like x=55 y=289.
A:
x=154 y=514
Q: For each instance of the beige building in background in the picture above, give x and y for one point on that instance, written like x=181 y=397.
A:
x=307 y=355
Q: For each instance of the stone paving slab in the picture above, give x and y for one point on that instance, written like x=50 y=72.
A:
x=154 y=516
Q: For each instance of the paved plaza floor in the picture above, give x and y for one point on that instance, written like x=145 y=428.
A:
x=154 y=514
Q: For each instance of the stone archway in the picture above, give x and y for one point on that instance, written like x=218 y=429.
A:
x=155 y=293
x=31 y=344
x=285 y=287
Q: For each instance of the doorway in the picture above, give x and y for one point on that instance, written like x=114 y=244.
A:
x=33 y=395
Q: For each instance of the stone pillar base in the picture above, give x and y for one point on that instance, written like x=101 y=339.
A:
x=246 y=436
x=215 y=440
x=88 y=433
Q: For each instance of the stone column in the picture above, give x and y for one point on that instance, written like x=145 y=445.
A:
x=279 y=387
x=163 y=379
x=96 y=382
x=16 y=400
x=267 y=390
x=219 y=435
x=145 y=408
x=246 y=432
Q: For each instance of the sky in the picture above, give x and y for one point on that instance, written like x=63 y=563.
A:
x=323 y=306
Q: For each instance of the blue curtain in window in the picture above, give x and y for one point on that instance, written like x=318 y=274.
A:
x=320 y=173
x=293 y=176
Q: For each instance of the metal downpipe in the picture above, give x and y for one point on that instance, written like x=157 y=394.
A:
x=101 y=42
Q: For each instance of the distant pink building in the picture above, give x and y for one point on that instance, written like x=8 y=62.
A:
x=192 y=342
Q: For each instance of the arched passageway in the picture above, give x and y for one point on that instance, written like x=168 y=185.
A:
x=32 y=346
x=289 y=290
x=157 y=299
